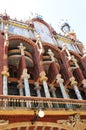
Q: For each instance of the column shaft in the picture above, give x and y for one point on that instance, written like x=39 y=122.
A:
x=77 y=92
x=47 y=94
x=27 y=88
x=74 y=84
x=37 y=89
x=21 y=91
x=62 y=87
x=38 y=93
x=64 y=94
x=52 y=90
x=53 y=93
x=5 y=88
x=5 y=62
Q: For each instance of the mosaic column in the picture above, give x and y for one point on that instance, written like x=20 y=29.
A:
x=20 y=86
x=42 y=74
x=72 y=79
x=25 y=76
x=74 y=84
x=67 y=51
x=6 y=42
x=58 y=77
x=43 y=79
x=39 y=44
x=52 y=90
x=37 y=88
x=79 y=72
x=5 y=72
x=62 y=87
x=81 y=78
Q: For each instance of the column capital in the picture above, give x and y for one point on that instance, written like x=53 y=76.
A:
x=6 y=43
x=67 y=51
x=64 y=46
x=37 y=87
x=20 y=84
x=43 y=76
x=52 y=88
x=51 y=54
x=5 y=71
x=73 y=82
x=25 y=74
x=59 y=79
x=74 y=61
x=84 y=83
x=71 y=78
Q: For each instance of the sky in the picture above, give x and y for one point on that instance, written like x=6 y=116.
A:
x=54 y=12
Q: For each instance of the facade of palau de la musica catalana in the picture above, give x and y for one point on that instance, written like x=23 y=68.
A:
x=42 y=76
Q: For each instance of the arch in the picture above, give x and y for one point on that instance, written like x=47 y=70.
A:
x=14 y=58
x=42 y=21
x=76 y=55
x=16 y=37
x=29 y=124
x=28 y=43
x=54 y=48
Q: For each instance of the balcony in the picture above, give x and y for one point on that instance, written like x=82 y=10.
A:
x=24 y=104
x=22 y=112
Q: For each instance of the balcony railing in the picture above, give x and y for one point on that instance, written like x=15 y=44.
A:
x=22 y=102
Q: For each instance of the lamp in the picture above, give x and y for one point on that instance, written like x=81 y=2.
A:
x=37 y=115
x=41 y=113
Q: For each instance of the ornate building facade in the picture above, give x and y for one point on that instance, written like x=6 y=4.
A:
x=42 y=77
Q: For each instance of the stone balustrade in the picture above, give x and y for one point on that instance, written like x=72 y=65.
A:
x=37 y=102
